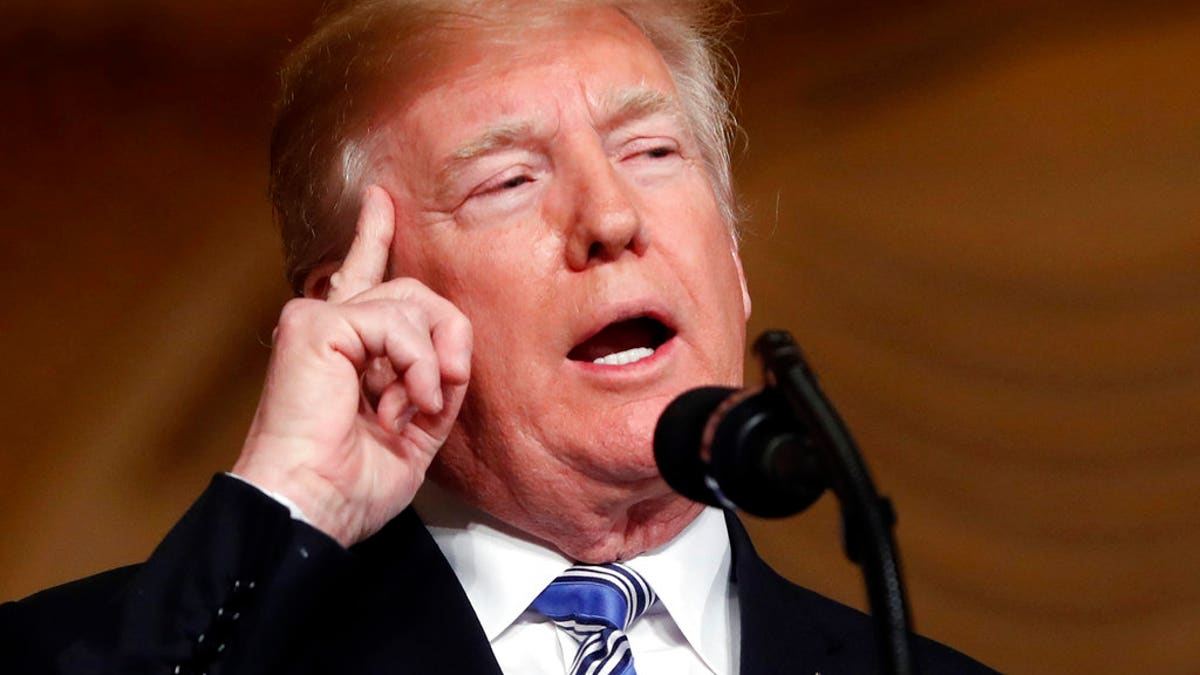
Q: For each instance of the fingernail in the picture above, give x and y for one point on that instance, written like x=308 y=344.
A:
x=405 y=417
x=438 y=402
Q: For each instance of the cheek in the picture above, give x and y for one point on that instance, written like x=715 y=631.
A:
x=494 y=272
x=505 y=285
x=701 y=245
x=685 y=213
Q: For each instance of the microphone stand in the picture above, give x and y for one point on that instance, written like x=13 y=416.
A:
x=867 y=517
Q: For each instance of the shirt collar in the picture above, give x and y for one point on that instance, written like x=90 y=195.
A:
x=691 y=576
x=502 y=570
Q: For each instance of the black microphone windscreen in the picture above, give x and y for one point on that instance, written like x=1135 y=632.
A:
x=677 y=439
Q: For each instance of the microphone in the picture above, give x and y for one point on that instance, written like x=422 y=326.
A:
x=740 y=449
x=772 y=452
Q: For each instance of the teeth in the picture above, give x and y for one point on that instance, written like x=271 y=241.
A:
x=627 y=356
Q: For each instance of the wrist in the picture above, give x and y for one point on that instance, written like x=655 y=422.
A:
x=293 y=508
x=308 y=496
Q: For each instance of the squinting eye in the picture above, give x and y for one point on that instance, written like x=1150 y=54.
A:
x=660 y=152
x=497 y=188
x=515 y=181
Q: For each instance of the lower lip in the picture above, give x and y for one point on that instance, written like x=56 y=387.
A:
x=640 y=367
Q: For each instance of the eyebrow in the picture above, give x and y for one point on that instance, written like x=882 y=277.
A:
x=620 y=106
x=615 y=108
x=502 y=134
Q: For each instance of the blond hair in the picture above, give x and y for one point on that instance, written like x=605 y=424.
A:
x=336 y=83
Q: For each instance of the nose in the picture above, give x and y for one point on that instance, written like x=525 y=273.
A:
x=605 y=222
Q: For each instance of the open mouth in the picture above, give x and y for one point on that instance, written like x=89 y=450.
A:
x=623 y=342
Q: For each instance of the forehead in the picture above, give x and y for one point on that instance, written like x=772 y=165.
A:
x=520 y=69
x=591 y=35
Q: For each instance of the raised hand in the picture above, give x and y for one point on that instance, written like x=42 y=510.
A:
x=361 y=391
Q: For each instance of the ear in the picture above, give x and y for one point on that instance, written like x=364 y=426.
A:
x=737 y=263
x=316 y=282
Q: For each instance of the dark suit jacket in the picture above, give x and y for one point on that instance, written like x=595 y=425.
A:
x=239 y=587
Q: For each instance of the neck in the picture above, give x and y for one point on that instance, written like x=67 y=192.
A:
x=584 y=521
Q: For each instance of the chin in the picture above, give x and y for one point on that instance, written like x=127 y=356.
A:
x=624 y=450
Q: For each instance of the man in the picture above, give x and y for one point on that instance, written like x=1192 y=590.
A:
x=543 y=256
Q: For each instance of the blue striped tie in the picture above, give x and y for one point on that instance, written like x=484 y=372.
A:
x=595 y=603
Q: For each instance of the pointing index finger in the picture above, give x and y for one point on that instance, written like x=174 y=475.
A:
x=366 y=261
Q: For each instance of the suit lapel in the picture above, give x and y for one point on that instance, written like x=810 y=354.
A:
x=410 y=613
x=781 y=627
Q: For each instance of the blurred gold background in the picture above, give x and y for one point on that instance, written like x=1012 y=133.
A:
x=982 y=221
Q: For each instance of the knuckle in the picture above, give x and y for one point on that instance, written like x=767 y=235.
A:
x=303 y=320
x=404 y=350
x=411 y=287
x=295 y=316
x=415 y=315
x=460 y=330
x=463 y=324
x=402 y=314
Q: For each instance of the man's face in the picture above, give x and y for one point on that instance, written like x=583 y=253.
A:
x=546 y=183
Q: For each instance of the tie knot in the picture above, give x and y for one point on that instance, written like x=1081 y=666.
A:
x=587 y=598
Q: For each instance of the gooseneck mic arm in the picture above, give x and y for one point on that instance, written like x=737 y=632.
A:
x=867 y=518
x=772 y=453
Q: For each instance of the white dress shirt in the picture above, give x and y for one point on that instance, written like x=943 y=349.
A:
x=692 y=629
